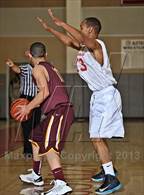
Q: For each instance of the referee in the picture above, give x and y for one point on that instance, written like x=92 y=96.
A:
x=28 y=90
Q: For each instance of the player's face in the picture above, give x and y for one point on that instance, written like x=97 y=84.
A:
x=84 y=28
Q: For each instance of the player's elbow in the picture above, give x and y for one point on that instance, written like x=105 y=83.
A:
x=46 y=94
x=43 y=95
x=74 y=45
x=68 y=42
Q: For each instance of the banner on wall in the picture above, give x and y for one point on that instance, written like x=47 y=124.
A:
x=132 y=2
x=132 y=53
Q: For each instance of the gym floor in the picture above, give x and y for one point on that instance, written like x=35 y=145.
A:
x=79 y=160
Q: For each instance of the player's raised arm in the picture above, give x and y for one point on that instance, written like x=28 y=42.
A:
x=76 y=34
x=64 y=38
x=70 y=29
x=13 y=66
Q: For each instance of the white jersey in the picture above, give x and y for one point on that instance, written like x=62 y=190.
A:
x=97 y=76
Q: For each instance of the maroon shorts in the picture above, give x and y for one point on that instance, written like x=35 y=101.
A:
x=51 y=133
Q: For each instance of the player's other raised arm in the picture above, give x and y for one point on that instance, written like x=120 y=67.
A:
x=78 y=35
x=64 y=38
x=70 y=29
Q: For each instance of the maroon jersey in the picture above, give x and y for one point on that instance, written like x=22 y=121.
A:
x=57 y=91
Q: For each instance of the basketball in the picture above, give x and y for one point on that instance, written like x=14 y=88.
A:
x=14 y=108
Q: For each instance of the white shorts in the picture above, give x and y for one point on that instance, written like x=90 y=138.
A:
x=106 y=119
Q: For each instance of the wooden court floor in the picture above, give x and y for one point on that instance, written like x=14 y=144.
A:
x=80 y=162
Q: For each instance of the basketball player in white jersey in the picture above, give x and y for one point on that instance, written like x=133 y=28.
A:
x=105 y=105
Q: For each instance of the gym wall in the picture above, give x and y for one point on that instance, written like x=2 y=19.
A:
x=19 y=28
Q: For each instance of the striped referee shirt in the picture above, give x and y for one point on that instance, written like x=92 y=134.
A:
x=27 y=85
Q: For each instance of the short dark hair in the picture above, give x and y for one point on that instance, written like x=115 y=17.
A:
x=38 y=49
x=94 y=22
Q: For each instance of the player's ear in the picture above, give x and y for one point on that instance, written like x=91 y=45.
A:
x=46 y=54
x=28 y=54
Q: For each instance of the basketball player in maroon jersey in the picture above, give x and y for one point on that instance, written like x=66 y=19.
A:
x=49 y=135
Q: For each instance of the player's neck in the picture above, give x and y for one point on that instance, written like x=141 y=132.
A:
x=38 y=60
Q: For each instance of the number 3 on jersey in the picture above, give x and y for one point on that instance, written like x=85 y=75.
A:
x=83 y=65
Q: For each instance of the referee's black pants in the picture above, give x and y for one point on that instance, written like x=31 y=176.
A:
x=28 y=125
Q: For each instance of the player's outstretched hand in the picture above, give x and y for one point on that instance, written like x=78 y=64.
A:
x=23 y=112
x=43 y=23
x=9 y=63
x=56 y=20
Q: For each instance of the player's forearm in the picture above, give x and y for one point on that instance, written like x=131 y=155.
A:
x=65 y=39
x=70 y=29
x=39 y=98
x=15 y=68
x=73 y=31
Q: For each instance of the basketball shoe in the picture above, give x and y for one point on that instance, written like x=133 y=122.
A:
x=100 y=176
x=33 y=190
x=32 y=178
x=60 y=188
x=110 y=185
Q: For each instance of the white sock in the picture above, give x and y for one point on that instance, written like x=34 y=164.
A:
x=108 y=168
